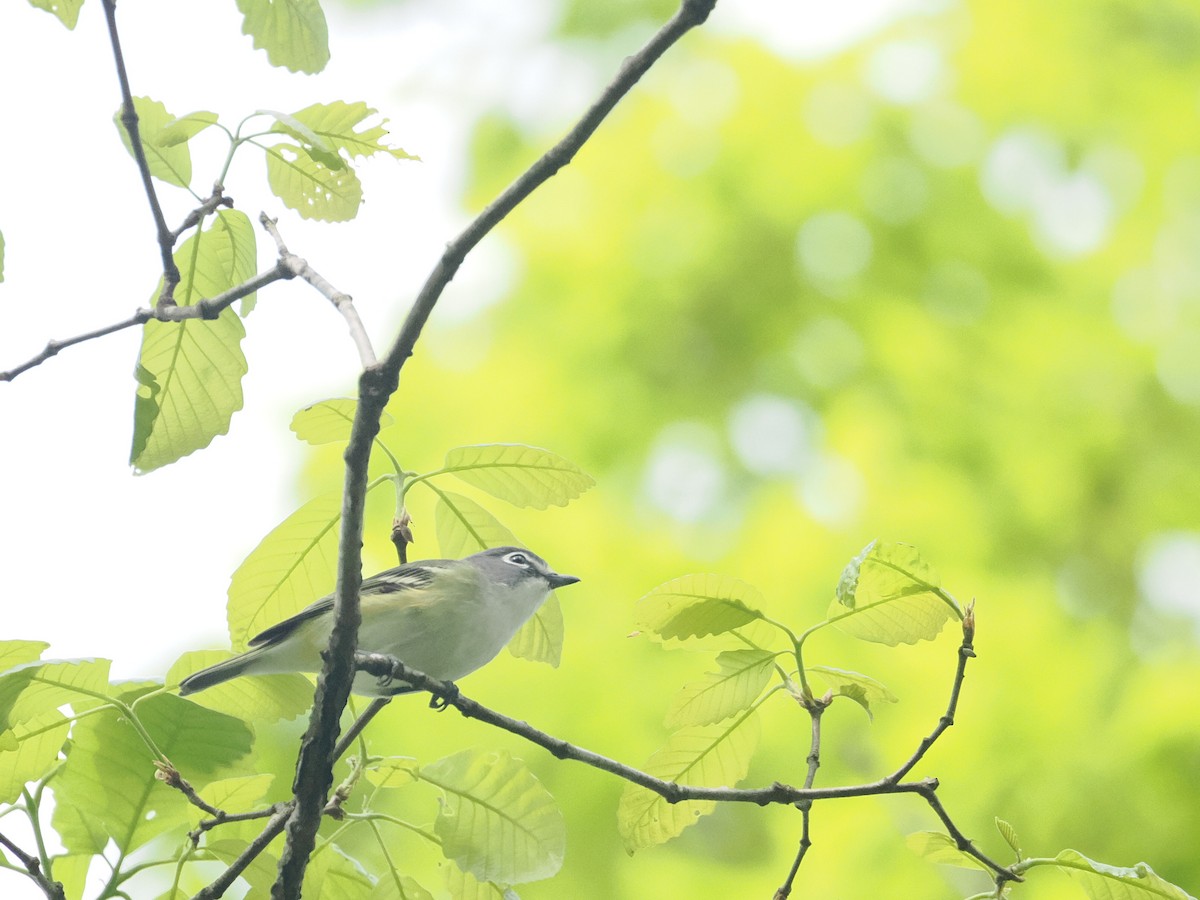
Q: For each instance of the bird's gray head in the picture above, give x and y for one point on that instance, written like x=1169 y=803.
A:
x=513 y=565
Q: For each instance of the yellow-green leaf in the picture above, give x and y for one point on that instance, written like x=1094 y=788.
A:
x=331 y=875
x=293 y=32
x=392 y=771
x=699 y=756
x=33 y=689
x=242 y=793
x=66 y=11
x=862 y=689
x=190 y=373
x=15 y=653
x=541 y=638
x=464 y=527
x=464 y=886
x=519 y=474
x=171 y=163
x=740 y=677
x=292 y=566
x=889 y=594
x=395 y=886
x=329 y=421
x=332 y=126
x=29 y=750
x=183 y=128
x=697 y=606
x=1104 y=882
x=1010 y=836
x=311 y=186
x=267 y=698
x=496 y=820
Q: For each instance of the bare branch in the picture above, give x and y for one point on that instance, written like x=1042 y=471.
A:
x=205 y=309
x=208 y=207
x=33 y=866
x=343 y=303
x=815 y=711
x=253 y=849
x=966 y=651
x=376 y=385
x=129 y=119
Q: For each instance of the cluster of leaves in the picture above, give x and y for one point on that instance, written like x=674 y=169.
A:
x=189 y=373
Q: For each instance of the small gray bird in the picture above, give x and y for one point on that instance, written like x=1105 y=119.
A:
x=443 y=617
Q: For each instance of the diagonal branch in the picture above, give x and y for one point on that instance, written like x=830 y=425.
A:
x=129 y=119
x=33 y=867
x=314 y=768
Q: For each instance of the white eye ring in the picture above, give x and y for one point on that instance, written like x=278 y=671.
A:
x=517 y=559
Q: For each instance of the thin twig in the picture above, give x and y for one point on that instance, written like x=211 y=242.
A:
x=52 y=889
x=222 y=883
x=360 y=723
x=815 y=710
x=210 y=308
x=966 y=651
x=342 y=302
x=376 y=386
x=129 y=119
x=208 y=207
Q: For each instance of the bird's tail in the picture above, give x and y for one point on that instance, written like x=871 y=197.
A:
x=222 y=671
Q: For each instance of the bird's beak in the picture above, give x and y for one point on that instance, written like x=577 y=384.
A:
x=557 y=581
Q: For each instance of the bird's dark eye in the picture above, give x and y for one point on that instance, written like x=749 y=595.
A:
x=518 y=559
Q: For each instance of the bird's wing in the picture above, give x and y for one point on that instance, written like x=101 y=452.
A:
x=412 y=576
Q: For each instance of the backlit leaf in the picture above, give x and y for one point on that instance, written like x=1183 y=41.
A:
x=740 y=678
x=15 y=653
x=464 y=527
x=697 y=606
x=862 y=689
x=190 y=372
x=171 y=163
x=889 y=594
x=293 y=32
x=267 y=698
x=700 y=756
x=519 y=474
x=311 y=186
x=29 y=750
x=332 y=126
x=329 y=421
x=66 y=11
x=1104 y=882
x=184 y=128
x=295 y=564
x=496 y=820
x=940 y=848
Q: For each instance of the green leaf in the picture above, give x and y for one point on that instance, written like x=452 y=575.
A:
x=519 y=474
x=464 y=527
x=290 y=125
x=66 y=11
x=331 y=127
x=329 y=421
x=261 y=698
x=189 y=373
x=392 y=771
x=70 y=870
x=292 y=566
x=184 y=128
x=697 y=606
x=862 y=689
x=331 y=875
x=171 y=163
x=940 y=848
x=31 y=690
x=739 y=679
x=311 y=186
x=1010 y=837
x=394 y=886
x=892 y=596
x=700 y=756
x=197 y=740
x=242 y=793
x=496 y=821
x=29 y=750
x=1104 y=882
x=293 y=32
x=15 y=653
x=463 y=886
x=541 y=638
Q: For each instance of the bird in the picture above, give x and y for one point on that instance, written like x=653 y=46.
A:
x=443 y=617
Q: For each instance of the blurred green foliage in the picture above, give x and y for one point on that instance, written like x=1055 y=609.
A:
x=941 y=287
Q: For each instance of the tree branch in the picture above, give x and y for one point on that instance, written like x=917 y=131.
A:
x=52 y=889
x=129 y=119
x=343 y=303
x=314 y=766
x=253 y=849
